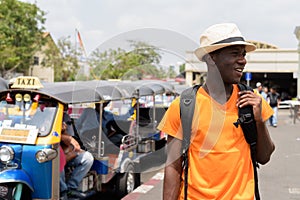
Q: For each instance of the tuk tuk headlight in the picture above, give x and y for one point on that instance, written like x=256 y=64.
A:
x=6 y=154
x=45 y=155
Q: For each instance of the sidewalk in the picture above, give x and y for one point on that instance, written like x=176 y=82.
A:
x=150 y=190
x=285 y=117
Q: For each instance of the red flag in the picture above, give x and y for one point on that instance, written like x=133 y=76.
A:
x=80 y=42
x=79 y=39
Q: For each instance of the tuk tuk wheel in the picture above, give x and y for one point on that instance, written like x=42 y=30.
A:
x=127 y=182
x=15 y=191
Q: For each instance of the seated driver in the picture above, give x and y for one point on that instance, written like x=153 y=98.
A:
x=76 y=158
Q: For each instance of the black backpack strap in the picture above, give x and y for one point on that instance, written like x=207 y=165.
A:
x=187 y=106
x=247 y=122
x=246 y=119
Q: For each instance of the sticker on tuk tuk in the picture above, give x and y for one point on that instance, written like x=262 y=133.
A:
x=55 y=134
x=18 y=135
x=27 y=82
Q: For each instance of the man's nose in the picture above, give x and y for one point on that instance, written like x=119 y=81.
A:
x=242 y=59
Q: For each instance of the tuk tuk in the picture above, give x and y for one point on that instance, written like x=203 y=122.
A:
x=31 y=117
x=30 y=128
x=119 y=165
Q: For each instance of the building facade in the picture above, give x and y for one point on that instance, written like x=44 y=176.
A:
x=268 y=65
x=38 y=69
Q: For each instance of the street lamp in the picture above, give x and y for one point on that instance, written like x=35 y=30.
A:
x=297 y=33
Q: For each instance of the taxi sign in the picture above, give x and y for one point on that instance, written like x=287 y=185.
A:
x=27 y=82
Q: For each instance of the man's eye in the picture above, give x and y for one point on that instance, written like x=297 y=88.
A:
x=238 y=54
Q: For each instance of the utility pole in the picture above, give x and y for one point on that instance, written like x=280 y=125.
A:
x=297 y=33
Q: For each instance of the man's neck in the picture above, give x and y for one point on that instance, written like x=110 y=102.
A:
x=219 y=92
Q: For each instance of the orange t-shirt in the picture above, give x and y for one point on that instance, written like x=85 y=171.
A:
x=220 y=164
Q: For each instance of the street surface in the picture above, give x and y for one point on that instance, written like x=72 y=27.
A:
x=279 y=179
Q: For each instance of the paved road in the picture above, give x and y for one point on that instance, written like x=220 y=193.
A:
x=278 y=180
x=152 y=166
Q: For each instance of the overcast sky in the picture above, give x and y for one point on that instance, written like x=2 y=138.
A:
x=176 y=24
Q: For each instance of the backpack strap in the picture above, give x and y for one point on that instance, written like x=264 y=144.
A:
x=187 y=106
x=247 y=122
x=246 y=119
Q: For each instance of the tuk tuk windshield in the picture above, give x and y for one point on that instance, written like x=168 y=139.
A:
x=28 y=115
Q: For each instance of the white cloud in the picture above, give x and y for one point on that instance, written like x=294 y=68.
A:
x=99 y=21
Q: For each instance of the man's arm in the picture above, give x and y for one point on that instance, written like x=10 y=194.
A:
x=68 y=139
x=264 y=146
x=173 y=169
x=278 y=100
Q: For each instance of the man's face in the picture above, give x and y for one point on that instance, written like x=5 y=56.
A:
x=231 y=62
x=272 y=90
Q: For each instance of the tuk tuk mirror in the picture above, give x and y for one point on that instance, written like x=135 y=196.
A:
x=8 y=98
x=36 y=98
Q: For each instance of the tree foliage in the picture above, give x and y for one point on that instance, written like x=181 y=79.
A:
x=182 y=67
x=21 y=35
x=171 y=72
x=63 y=58
x=141 y=61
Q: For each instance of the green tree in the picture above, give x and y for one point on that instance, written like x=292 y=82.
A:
x=141 y=61
x=21 y=35
x=182 y=67
x=107 y=64
x=63 y=58
x=171 y=72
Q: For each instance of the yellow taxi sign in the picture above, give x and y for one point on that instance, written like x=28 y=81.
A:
x=27 y=82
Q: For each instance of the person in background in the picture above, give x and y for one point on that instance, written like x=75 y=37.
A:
x=264 y=92
x=220 y=165
x=274 y=100
x=76 y=158
x=259 y=87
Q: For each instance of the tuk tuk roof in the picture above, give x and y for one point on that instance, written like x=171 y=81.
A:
x=99 y=90
x=71 y=92
x=145 y=88
x=179 y=88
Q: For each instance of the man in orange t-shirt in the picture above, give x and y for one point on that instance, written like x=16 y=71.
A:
x=220 y=165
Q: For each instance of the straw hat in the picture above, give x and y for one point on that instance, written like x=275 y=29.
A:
x=219 y=36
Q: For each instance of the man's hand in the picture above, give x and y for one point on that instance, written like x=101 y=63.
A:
x=250 y=98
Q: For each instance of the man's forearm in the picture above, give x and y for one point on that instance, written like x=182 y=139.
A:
x=172 y=180
x=66 y=138
x=173 y=169
x=265 y=146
